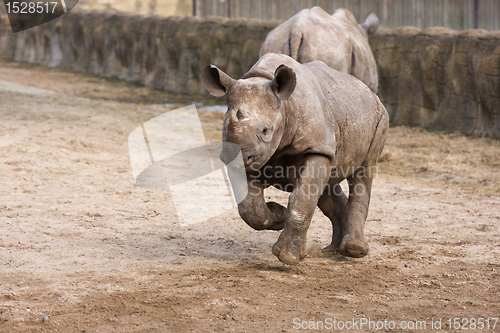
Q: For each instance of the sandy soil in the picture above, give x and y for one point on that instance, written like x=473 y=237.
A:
x=81 y=244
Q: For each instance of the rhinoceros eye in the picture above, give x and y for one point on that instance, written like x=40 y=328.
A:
x=264 y=131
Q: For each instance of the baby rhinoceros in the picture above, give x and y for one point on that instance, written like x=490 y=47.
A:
x=303 y=128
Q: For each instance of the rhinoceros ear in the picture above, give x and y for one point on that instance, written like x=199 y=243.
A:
x=284 y=82
x=371 y=24
x=216 y=81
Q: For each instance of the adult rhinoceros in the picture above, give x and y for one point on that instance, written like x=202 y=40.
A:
x=303 y=128
x=337 y=40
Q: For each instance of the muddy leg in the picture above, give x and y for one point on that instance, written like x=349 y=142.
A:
x=360 y=184
x=353 y=241
x=301 y=205
x=257 y=213
x=333 y=203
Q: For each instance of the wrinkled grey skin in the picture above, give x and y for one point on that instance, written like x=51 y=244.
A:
x=337 y=40
x=320 y=125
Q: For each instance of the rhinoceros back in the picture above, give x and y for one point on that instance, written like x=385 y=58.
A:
x=355 y=109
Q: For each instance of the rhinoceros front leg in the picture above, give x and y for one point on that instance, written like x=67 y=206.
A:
x=257 y=213
x=312 y=180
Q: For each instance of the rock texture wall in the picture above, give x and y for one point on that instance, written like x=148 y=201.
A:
x=434 y=78
x=440 y=79
x=166 y=53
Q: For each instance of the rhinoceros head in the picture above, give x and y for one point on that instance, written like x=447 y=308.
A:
x=255 y=117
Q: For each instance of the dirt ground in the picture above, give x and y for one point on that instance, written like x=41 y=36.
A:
x=81 y=244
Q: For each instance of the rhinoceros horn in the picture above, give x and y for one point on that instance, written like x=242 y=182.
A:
x=216 y=81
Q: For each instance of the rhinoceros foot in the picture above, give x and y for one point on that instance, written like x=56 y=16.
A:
x=290 y=250
x=354 y=248
x=286 y=254
x=330 y=250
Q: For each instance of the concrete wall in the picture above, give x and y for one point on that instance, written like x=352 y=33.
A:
x=435 y=78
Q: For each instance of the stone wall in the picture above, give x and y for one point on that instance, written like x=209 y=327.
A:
x=434 y=78
x=440 y=79
x=166 y=53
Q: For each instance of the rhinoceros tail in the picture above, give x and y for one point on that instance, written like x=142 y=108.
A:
x=296 y=35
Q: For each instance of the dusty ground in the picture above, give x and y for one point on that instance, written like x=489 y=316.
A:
x=82 y=244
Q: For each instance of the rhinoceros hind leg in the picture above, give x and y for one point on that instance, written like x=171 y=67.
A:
x=353 y=241
x=360 y=185
x=354 y=248
x=333 y=203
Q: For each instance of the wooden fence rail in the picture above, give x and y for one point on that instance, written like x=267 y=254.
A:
x=454 y=14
